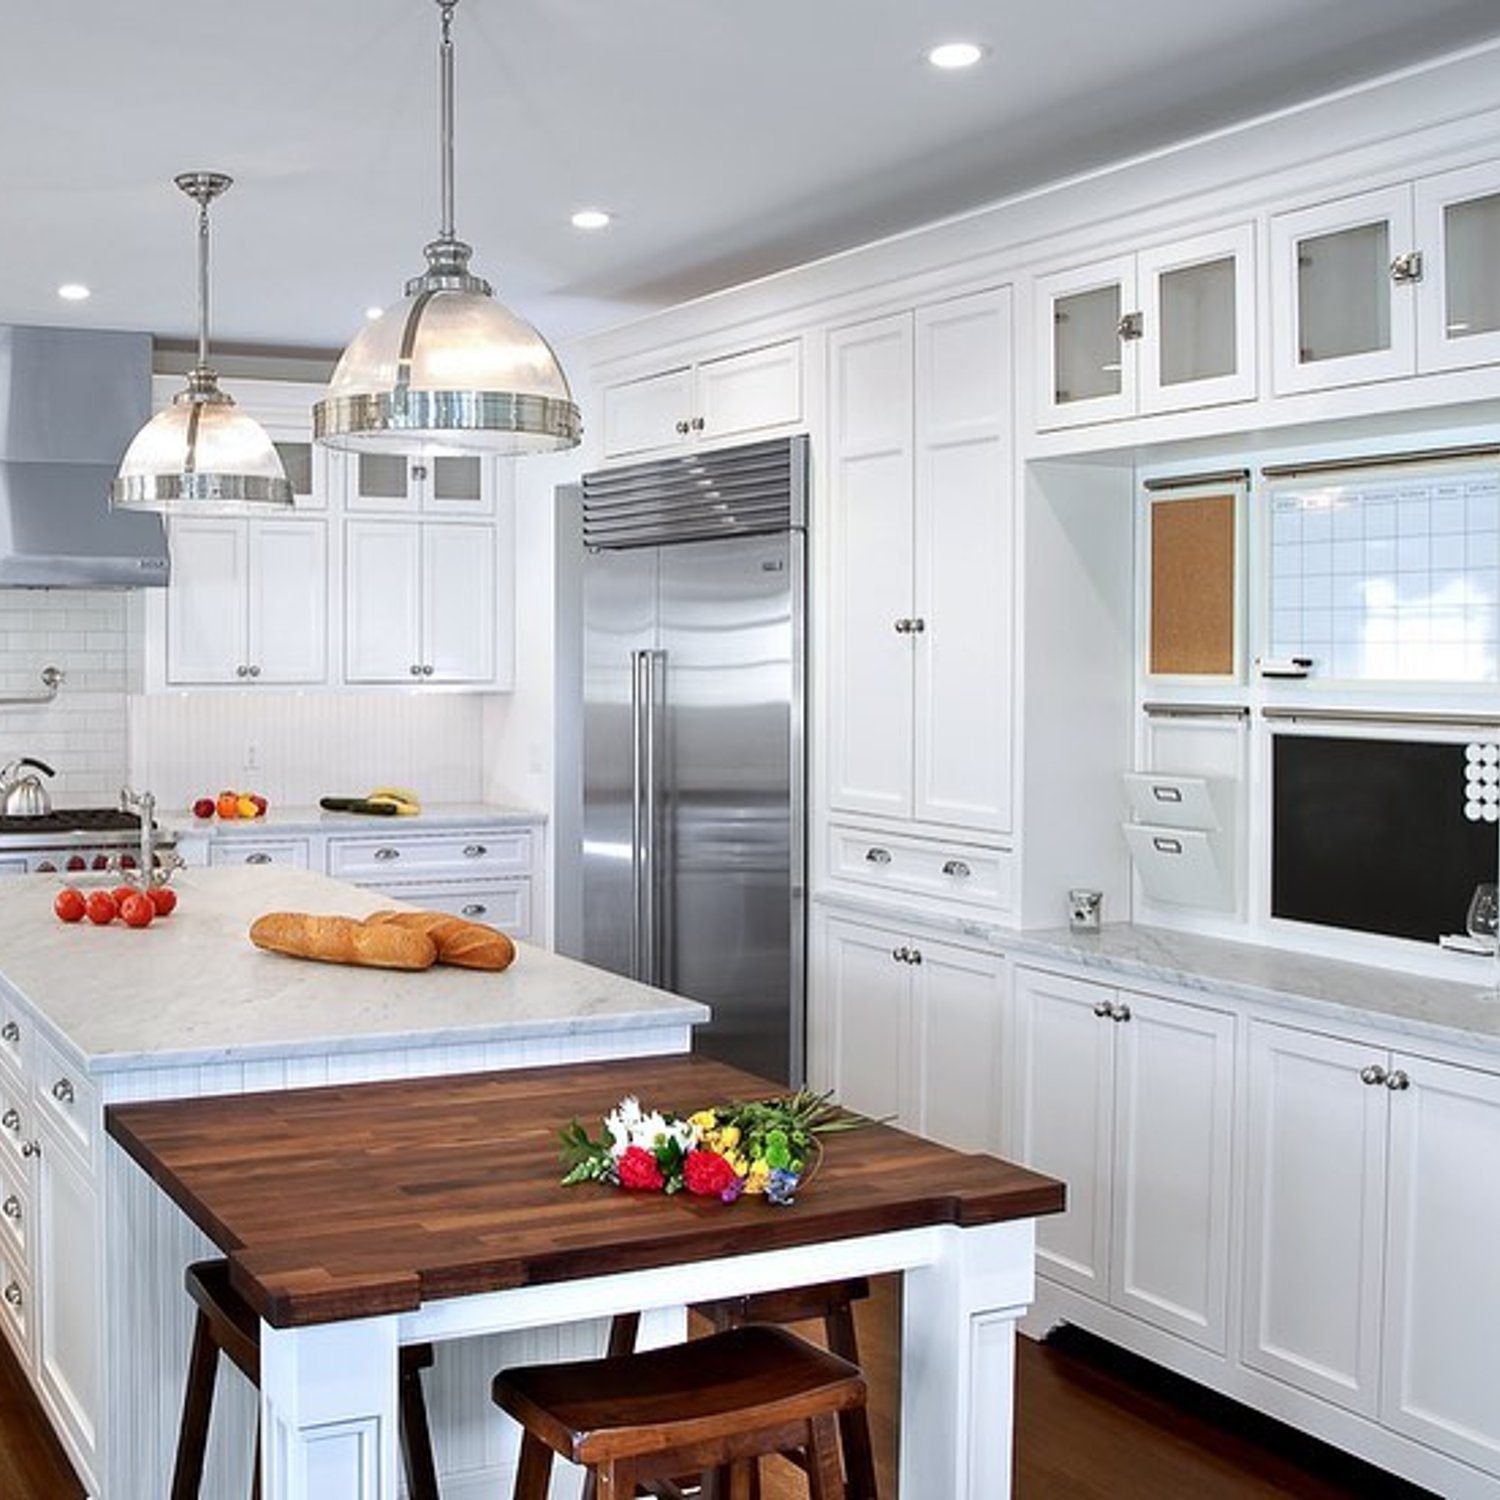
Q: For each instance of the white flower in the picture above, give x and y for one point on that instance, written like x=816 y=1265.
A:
x=627 y=1126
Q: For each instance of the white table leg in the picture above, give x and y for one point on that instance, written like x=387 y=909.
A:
x=958 y=1362
x=328 y=1411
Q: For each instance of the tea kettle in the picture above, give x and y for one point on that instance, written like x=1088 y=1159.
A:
x=24 y=796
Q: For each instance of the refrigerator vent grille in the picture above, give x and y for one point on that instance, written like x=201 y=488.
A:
x=744 y=491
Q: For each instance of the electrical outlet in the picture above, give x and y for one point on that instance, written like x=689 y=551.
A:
x=252 y=756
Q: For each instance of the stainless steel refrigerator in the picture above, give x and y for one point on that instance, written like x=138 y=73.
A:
x=692 y=854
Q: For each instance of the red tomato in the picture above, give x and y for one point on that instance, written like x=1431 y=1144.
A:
x=164 y=899
x=137 y=910
x=102 y=908
x=123 y=893
x=69 y=904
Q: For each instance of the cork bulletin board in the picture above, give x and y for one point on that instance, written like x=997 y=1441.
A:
x=1194 y=564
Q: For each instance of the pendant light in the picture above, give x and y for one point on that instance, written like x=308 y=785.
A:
x=448 y=370
x=202 y=455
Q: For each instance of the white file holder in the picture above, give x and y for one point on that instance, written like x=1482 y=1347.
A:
x=1179 y=866
x=1172 y=801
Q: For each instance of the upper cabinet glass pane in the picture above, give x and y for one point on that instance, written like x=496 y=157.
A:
x=1344 y=293
x=1086 y=345
x=457 y=479
x=1196 y=309
x=1471 y=239
x=382 y=476
x=296 y=461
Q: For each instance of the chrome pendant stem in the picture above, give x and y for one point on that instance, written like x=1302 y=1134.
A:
x=203 y=284
x=446 y=132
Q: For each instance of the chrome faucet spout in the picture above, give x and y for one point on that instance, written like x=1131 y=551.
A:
x=143 y=803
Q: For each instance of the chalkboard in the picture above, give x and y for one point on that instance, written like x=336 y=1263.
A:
x=1373 y=835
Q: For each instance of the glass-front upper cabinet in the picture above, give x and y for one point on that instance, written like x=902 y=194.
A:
x=456 y=485
x=1165 y=330
x=1344 y=279
x=1458 y=226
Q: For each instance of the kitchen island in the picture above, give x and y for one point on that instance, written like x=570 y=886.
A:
x=91 y=1254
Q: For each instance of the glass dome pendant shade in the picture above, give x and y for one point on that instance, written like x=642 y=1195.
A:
x=202 y=455
x=448 y=370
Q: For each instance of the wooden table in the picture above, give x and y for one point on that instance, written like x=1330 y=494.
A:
x=359 y=1218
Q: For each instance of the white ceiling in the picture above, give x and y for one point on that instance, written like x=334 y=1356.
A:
x=731 y=137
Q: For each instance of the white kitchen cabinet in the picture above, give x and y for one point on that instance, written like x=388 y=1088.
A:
x=911 y=1027
x=420 y=602
x=1168 y=329
x=394 y=483
x=1129 y=1098
x=741 y=394
x=248 y=602
x=921 y=588
x=1401 y=281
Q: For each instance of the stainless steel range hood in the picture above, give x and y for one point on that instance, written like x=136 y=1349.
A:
x=70 y=402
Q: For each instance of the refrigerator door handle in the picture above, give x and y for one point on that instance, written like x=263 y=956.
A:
x=638 y=698
x=653 y=676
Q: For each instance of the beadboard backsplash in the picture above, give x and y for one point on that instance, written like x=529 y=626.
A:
x=82 y=733
x=296 y=747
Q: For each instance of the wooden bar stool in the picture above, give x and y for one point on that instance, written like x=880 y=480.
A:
x=713 y=1406
x=831 y=1302
x=227 y=1325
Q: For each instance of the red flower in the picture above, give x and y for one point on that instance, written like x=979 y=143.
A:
x=638 y=1170
x=707 y=1173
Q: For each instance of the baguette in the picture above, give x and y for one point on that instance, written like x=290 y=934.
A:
x=342 y=940
x=468 y=945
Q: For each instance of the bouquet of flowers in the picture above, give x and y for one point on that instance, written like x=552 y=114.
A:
x=766 y=1146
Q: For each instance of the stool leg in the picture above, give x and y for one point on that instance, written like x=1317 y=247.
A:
x=616 y=1479
x=824 y=1481
x=197 y=1403
x=416 y=1439
x=854 y=1426
x=534 y=1471
x=744 y=1479
x=623 y=1329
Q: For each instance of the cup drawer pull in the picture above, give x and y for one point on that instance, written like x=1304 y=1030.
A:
x=10 y=1033
x=878 y=856
x=475 y=851
x=387 y=853
x=1167 y=793
x=475 y=909
x=1166 y=846
x=260 y=857
x=62 y=1091
x=11 y=1208
x=957 y=868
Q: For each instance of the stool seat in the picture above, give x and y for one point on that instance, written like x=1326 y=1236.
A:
x=704 y=1405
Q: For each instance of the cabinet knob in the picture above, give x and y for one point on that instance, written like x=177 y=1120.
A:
x=387 y=853
x=419 y=471
x=475 y=851
x=1103 y=1009
x=957 y=868
x=697 y=424
x=416 y=670
x=918 y=625
x=31 y=1148
x=255 y=671
x=260 y=857
x=10 y=1033
x=903 y=627
x=474 y=909
x=1119 y=1012
x=62 y=1091
x=1407 y=269
x=428 y=670
x=13 y=1294
x=682 y=429
x=899 y=954
x=914 y=955
x=242 y=671
x=1373 y=1075
x=11 y=1208
x=877 y=856
x=1398 y=1081
x=11 y=1120
x=1131 y=326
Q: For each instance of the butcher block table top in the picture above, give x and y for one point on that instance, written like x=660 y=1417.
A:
x=370 y=1199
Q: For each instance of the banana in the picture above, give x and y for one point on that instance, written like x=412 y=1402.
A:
x=406 y=803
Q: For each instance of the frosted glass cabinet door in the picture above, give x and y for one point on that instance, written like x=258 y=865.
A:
x=1458 y=227
x=1198 y=326
x=1344 y=305
x=1090 y=362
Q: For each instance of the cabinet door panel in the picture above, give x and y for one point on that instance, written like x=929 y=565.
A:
x=1442 y=1322
x=870 y=666
x=288 y=596
x=70 y=1323
x=1174 y=1100
x=964 y=540
x=642 y=415
x=1458 y=298
x=382 y=601
x=458 y=603
x=380 y=482
x=957 y=998
x=1088 y=370
x=1064 y=1121
x=865 y=995
x=1338 y=316
x=458 y=485
x=745 y=392
x=1315 y=1198
x=207 y=638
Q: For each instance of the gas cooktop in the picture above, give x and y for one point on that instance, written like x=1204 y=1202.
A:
x=83 y=822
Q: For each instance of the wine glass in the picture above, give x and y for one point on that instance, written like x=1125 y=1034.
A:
x=1484 y=912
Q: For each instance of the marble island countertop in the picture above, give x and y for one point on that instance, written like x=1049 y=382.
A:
x=1413 y=1004
x=191 y=988
x=282 y=822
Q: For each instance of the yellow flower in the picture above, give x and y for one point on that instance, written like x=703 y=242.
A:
x=758 y=1176
x=728 y=1138
x=705 y=1119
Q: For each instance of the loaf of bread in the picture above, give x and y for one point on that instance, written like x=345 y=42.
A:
x=342 y=940
x=469 y=945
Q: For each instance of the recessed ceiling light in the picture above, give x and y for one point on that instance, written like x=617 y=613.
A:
x=592 y=218
x=373 y=312
x=952 y=55
x=73 y=291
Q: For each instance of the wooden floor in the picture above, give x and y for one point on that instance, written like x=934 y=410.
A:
x=1092 y=1424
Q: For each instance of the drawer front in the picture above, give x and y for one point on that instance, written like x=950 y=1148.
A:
x=472 y=854
x=976 y=874
x=506 y=904
x=16 y=1305
x=15 y=1212
x=65 y=1099
x=256 y=852
x=15 y=1041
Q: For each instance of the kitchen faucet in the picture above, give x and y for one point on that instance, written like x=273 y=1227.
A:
x=144 y=803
